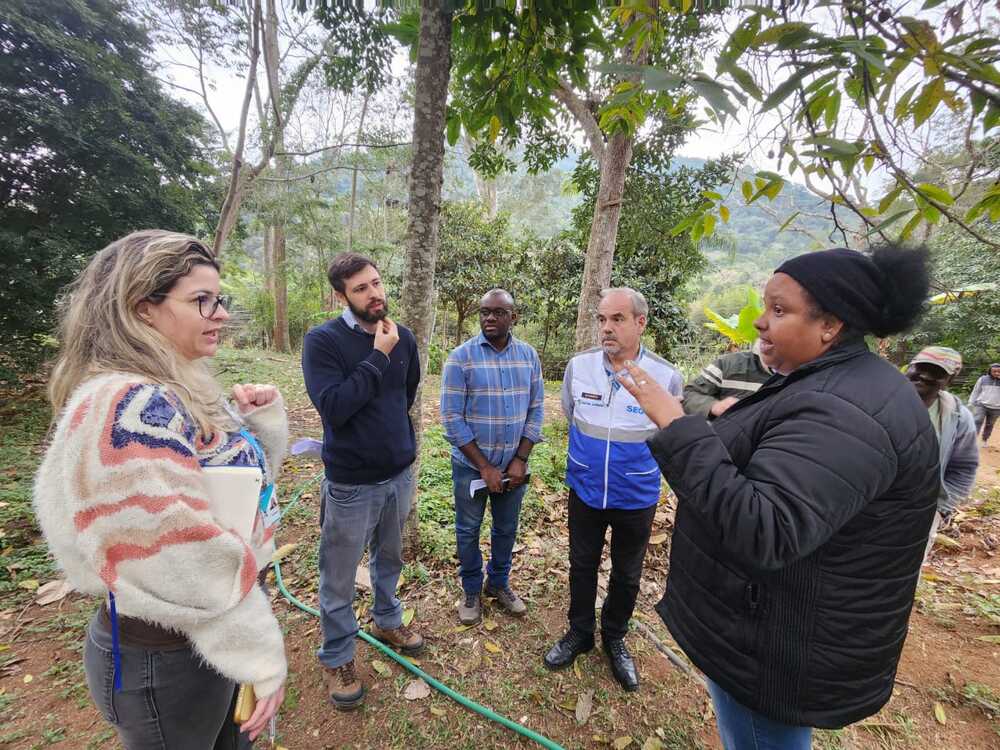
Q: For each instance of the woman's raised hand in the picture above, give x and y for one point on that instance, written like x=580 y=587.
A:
x=661 y=407
x=249 y=396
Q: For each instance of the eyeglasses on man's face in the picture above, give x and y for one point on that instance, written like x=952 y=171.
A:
x=500 y=313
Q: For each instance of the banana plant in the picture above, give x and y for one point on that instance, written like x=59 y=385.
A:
x=738 y=328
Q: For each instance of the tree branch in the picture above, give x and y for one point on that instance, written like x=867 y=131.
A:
x=584 y=117
x=301 y=177
x=342 y=145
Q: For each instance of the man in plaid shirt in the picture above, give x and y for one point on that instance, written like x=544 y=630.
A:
x=492 y=403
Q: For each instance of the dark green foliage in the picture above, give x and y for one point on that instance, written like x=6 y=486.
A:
x=969 y=325
x=91 y=150
x=476 y=254
x=648 y=256
x=359 y=48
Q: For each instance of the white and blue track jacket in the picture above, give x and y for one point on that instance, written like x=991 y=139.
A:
x=609 y=465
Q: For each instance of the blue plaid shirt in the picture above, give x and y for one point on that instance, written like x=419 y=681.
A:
x=494 y=398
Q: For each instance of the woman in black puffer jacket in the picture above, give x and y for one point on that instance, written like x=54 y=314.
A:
x=804 y=510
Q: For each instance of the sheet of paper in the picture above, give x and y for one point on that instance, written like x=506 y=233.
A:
x=234 y=495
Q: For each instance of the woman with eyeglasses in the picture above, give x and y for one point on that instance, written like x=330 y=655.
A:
x=123 y=497
x=804 y=510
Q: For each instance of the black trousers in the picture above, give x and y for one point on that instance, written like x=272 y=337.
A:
x=629 y=537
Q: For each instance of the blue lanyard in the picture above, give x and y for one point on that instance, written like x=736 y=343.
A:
x=266 y=490
x=116 y=650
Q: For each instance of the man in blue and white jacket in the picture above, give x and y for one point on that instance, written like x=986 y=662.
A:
x=613 y=480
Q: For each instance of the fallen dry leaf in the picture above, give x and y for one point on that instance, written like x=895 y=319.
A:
x=490 y=625
x=51 y=592
x=408 y=616
x=584 y=705
x=416 y=689
x=622 y=742
x=363 y=578
x=381 y=667
x=492 y=647
x=283 y=551
x=437 y=711
x=652 y=743
x=939 y=714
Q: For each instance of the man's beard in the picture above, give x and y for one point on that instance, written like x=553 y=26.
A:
x=370 y=317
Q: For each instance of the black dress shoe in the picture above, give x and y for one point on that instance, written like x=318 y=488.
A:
x=567 y=649
x=622 y=665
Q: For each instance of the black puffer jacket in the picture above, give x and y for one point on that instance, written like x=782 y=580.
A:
x=800 y=531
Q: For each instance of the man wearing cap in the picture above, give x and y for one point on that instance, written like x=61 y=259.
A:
x=930 y=372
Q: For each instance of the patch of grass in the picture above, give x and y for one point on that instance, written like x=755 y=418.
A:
x=23 y=555
x=258 y=366
x=436 y=492
x=991 y=505
x=828 y=739
x=10 y=738
x=986 y=607
x=982 y=697
x=892 y=732
x=101 y=740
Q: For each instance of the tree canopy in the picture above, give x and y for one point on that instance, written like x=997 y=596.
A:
x=92 y=149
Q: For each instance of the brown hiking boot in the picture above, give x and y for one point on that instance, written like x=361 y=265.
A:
x=507 y=599
x=402 y=639
x=344 y=687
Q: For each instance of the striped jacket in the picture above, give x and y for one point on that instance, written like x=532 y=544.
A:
x=608 y=464
x=494 y=398
x=123 y=502
x=735 y=374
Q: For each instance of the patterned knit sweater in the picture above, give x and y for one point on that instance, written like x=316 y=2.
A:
x=122 y=500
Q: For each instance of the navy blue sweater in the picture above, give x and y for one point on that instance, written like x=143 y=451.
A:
x=363 y=398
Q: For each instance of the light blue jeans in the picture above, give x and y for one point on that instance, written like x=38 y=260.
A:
x=741 y=728
x=352 y=517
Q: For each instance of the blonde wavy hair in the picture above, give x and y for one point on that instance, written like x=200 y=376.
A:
x=100 y=330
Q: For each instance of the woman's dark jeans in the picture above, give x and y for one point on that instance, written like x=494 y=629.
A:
x=170 y=699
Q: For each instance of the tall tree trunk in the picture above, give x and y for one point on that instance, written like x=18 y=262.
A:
x=460 y=314
x=429 y=103
x=237 y=179
x=280 y=338
x=354 y=174
x=603 y=234
x=275 y=232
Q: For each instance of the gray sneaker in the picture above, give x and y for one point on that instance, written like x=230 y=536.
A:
x=507 y=599
x=470 y=610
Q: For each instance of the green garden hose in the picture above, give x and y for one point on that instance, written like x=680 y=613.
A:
x=439 y=686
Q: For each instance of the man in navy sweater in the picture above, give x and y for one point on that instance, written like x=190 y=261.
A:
x=361 y=372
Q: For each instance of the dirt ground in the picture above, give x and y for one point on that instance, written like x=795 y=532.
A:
x=947 y=693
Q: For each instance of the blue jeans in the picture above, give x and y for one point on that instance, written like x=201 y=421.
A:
x=355 y=516
x=741 y=728
x=506 y=510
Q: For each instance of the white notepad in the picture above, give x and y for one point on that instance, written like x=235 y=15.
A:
x=233 y=496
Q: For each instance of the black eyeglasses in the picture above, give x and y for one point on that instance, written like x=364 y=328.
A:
x=499 y=313
x=204 y=302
